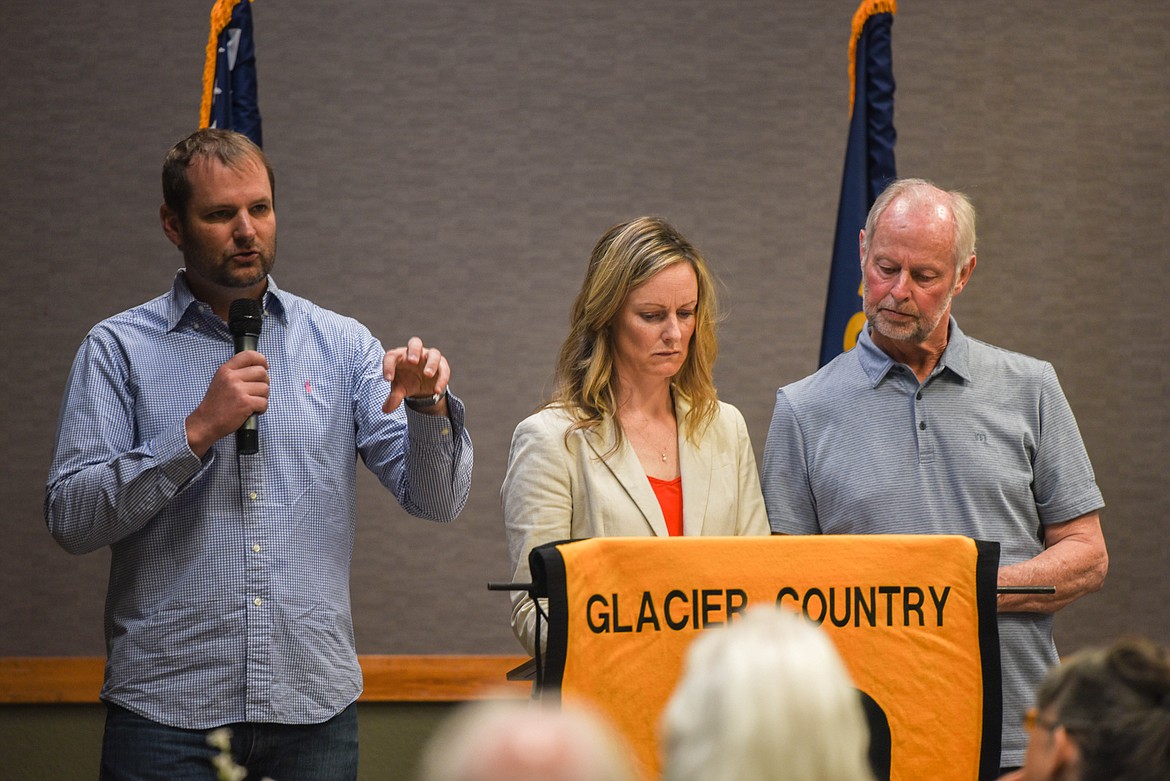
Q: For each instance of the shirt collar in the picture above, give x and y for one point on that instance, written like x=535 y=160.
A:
x=955 y=358
x=276 y=302
x=182 y=300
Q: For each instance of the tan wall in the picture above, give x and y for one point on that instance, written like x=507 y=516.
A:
x=444 y=168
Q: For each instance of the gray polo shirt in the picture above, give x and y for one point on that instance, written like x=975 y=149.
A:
x=986 y=446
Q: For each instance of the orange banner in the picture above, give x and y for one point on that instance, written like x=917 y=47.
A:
x=912 y=615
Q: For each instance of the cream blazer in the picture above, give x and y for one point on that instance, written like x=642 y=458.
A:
x=555 y=490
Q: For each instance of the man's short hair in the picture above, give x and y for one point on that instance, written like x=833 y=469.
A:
x=232 y=149
x=921 y=191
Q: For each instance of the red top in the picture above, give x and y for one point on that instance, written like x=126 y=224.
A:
x=669 y=493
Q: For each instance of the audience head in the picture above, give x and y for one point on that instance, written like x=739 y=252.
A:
x=626 y=257
x=525 y=741
x=233 y=150
x=765 y=698
x=1103 y=714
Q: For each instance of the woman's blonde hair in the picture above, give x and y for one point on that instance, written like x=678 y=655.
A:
x=627 y=256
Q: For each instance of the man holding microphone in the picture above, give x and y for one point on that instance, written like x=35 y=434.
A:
x=228 y=600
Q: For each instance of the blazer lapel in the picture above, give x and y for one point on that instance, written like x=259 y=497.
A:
x=694 y=463
x=623 y=464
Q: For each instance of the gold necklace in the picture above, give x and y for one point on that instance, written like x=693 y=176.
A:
x=642 y=433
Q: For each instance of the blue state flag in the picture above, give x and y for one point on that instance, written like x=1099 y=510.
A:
x=229 y=74
x=869 y=167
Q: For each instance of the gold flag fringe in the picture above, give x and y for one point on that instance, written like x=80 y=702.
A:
x=867 y=9
x=221 y=15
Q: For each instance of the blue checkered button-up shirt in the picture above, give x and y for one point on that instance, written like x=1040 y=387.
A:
x=229 y=581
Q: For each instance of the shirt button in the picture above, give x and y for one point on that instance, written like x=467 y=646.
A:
x=922 y=426
x=252 y=495
x=257 y=602
x=918 y=395
x=256 y=548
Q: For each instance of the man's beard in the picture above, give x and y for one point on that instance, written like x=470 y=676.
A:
x=916 y=331
x=223 y=272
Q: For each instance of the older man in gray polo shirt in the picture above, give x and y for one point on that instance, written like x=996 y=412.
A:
x=921 y=429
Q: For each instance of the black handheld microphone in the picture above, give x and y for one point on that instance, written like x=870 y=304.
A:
x=245 y=319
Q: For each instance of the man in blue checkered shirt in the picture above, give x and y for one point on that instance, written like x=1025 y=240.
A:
x=228 y=600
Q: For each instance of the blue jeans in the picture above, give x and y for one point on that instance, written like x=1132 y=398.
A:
x=137 y=749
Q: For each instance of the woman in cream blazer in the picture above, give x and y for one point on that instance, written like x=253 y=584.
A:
x=634 y=402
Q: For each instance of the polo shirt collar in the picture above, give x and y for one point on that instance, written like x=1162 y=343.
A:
x=955 y=358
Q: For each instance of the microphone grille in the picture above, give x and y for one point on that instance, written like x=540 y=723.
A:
x=245 y=317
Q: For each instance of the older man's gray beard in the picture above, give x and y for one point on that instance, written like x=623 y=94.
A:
x=916 y=332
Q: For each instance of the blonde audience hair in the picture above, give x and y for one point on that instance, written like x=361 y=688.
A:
x=766 y=698
x=525 y=741
x=626 y=256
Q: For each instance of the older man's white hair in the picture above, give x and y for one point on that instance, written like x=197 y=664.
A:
x=525 y=741
x=766 y=698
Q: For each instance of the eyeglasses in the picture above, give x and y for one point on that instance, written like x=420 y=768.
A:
x=1032 y=719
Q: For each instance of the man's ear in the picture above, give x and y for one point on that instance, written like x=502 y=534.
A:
x=965 y=276
x=172 y=225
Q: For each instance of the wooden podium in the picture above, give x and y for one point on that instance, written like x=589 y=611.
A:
x=914 y=617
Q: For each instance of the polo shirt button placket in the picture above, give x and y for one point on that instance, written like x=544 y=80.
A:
x=925 y=442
